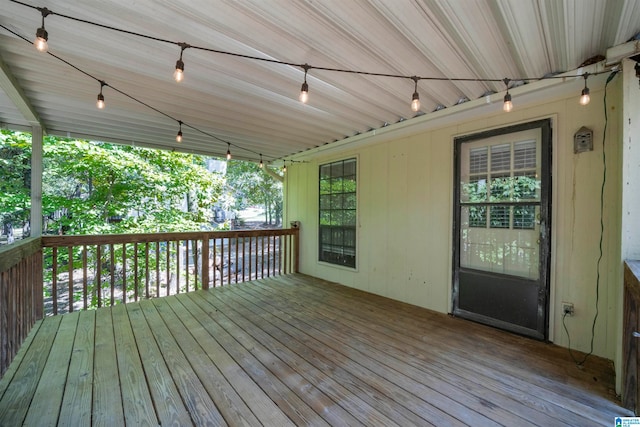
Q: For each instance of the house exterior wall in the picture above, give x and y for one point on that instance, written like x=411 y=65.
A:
x=405 y=214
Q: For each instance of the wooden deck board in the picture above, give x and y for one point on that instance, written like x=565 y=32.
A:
x=201 y=407
x=78 y=392
x=294 y=350
x=529 y=362
x=47 y=399
x=19 y=393
x=107 y=407
x=136 y=396
x=168 y=403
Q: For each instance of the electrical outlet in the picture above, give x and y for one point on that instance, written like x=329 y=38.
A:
x=567 y=308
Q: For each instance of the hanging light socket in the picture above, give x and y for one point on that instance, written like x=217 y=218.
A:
x=508 y=105
x=178 y=74
x=100 y=103
x=584 y=97
x=42 y=36
x=179 y=135
x=304 y=90
x=415 y=100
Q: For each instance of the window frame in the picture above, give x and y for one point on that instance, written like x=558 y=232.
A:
x=339 y=239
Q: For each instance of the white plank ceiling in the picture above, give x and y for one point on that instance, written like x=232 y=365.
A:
x=253 y=105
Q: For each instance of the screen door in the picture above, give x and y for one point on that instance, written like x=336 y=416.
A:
x=501 y=231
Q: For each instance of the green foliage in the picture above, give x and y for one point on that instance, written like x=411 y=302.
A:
x=251 y=185
x=106 y=188
x=15 y=176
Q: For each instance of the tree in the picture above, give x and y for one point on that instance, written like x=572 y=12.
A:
x=15 y=181
x=108 y=188
x=253 y=186
x=98 y=188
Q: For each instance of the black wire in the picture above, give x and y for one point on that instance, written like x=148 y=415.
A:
x=305 y=66
x=604 y=181
x=293 y=64
x=104 y=83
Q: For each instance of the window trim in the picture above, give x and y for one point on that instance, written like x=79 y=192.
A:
x=319 y=245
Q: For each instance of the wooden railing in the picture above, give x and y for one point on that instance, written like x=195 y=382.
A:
x=20 y=295
x=94 y=271
x=631 y=337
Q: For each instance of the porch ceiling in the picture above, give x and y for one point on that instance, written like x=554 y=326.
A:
x=253 y=104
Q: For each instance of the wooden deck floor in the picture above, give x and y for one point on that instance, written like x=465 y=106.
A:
x=294 y=350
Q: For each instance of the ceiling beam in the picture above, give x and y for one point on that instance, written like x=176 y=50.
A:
x=10 y=86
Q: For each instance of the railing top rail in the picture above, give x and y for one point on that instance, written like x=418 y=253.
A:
x=76 y=240
x=12 y=254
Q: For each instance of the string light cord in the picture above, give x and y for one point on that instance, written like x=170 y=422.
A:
x=139 y=101
x=304 y=66
x=600 y=245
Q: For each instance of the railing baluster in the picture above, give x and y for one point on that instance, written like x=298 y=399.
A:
x=112 y=272
x=84 y=278
x=178 y=250
x=146 y=270
x=157 y=269
x=97 y=283
x=235 y=266
x=205 y=262
x=229 y=260
x=168 y=267
x=222 y=261
x=243 y=258
x=262 y=258
x=250 y=260
x=124 y=273
x=194 y=254
x=186 y=265
x=135 y=271
x=70 y=282
x=54 y=281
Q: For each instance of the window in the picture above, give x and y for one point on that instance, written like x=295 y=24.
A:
x=502 y=173
x=338 y=213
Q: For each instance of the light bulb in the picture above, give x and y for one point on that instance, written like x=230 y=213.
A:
x=585 y=98
x=508 y=105
x=100 y=104
x=41 y=40
x=228 y=154
x=179 y=136
x=304 y=93
x=261 y=164
x=178 y=74
x=415 y=102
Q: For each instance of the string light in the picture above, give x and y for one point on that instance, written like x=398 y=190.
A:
x=508 y=105
x=100 y=103
x=304 y=90
x=284 y=167
x=584 y=97
x=179 y=135
x=42 y=38
x=261 y=164
x=178 y=74
x=41 y=34
x=415 y=100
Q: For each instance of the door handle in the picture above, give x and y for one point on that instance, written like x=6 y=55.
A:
x=635 y=334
